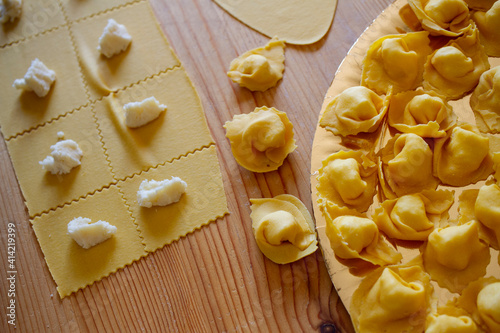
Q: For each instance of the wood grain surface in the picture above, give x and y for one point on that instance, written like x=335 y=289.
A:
x=216 y=279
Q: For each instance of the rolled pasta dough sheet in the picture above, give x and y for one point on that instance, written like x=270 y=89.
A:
x=86 y=103
x=296 y=21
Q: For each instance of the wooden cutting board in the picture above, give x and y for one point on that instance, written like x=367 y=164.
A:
x=215 y=279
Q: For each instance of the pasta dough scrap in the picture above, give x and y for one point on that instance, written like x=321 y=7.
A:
x=395 y=61
x=356 y=109
x=414 y=216
x=488 y=24
x=462 y=157
x=406 y=166
x=297 y=21
x=454 y=256
x=442 y=17
x=392 y=299
x=262 y=139
x=283 y=228
x=347 y=179
x=454 y=69
x=358 y=237
x=485 y=101
x=421 y=113
x=261 y=68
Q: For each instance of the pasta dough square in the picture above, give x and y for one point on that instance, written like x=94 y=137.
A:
x=139 y=61
x=37 y=16
x=41 y=189
x=76 y=10
x=22 y=111
x=74 y=267
x=203 y=202
x=180 y=129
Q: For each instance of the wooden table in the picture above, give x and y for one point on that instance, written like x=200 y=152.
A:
x=215 y=279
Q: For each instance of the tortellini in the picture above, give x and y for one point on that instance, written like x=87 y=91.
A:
x=485 y=100
x=262 y=139
x=413 y=216
x=467 y=212
x=442 y=17
x=488 y=306
x=406 y=166
x=481 y=299
x=450 y=324
x=283 y=228
x=395 y=62
x=416 y=79
x=488 y=24
x=358 y=237
x=463 y=157
x=421 y=113
x=487 y=211
x=347 y=179
x=356 y=109
x=454 y=256
x=392 y=299
x=454 y=69
x=261 y=68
